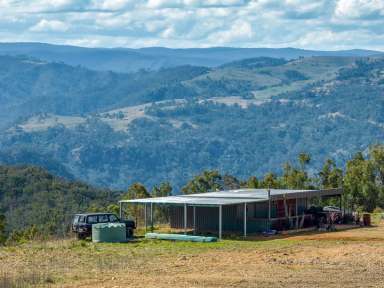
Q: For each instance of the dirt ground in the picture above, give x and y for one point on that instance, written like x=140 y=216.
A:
x=351 y=258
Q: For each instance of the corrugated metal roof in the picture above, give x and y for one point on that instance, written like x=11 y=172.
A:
x=247 y=193
x=193 y=200
x=230 y=197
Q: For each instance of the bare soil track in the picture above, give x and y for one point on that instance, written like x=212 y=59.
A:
x=352 y=258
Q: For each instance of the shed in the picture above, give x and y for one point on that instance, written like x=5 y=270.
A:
x=240 y=210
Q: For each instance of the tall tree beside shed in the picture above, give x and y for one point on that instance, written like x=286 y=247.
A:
x=330 y=175
x=136 y=191
x=360 y=183
x=304 y=159
x=377 y=156
x=208 y=181
x=270 y=181
x=253 y=182
x=294 y=178
x=162 y=190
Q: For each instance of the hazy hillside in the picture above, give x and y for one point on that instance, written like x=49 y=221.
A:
x=128 y=60
x=243 y=118
x=31 y=86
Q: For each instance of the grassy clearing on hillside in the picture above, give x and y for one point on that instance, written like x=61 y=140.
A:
x=352 y=258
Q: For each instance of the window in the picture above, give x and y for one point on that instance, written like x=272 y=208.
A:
x=82 y=219
x=92 y=219
x=103 y=218
x=76 y=219
x=113 y=218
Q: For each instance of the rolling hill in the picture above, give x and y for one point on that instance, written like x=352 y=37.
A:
x=244 y=117
x=31 y=86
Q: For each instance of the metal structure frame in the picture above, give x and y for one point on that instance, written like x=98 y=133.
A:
x=229 y=197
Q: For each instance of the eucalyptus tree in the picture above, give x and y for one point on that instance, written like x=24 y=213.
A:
x=161 y=213
x=330 y=175
x=208 y=181
x=360 y=183
x=136 y=191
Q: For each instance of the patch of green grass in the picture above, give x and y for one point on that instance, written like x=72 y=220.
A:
x=376 y=218
x=153 y=248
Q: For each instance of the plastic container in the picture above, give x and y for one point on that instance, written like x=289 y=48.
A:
x=109 y=232
x=179 y=237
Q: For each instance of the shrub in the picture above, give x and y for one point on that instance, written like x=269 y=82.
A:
x=378 y=210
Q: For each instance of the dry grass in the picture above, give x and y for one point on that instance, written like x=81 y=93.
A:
x=352 y=258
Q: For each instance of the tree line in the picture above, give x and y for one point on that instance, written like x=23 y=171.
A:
x=362 y=180
x=41 y=204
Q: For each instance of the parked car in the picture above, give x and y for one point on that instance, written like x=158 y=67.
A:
x=82 y=223
x=325 y=217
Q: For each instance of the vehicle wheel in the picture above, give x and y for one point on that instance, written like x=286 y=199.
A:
x=80 y=236
x=129 y=233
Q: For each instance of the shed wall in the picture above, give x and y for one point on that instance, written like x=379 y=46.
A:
x=207 y=218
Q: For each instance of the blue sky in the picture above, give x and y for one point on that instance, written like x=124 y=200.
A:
x=318 y=24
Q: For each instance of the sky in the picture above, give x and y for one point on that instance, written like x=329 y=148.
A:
x=310 y=24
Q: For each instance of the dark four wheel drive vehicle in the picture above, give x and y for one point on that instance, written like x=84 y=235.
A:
x=82 y=223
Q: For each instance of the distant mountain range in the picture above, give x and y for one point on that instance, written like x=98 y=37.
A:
x=242 y=117
x=153 y=58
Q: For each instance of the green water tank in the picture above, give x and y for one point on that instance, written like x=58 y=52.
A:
x=109 y=232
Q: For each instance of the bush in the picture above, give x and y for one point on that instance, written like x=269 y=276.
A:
x=378 y=210
x=23 y=236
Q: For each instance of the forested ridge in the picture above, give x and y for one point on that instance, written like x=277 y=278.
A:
x=245 y=117
x=30 y=196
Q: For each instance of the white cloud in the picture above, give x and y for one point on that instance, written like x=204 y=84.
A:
x=112 y=4
x=214 y=3
x=164 y=3
x=5 y=3
x=239 y=31
x=323 y=39
x=48 y=5
x=194 y=3
x=107 y=41
x=360 y=8
x=50 y=26
x=315 y=24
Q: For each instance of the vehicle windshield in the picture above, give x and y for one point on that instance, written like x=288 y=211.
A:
x=76 y=219
x=103 y=218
